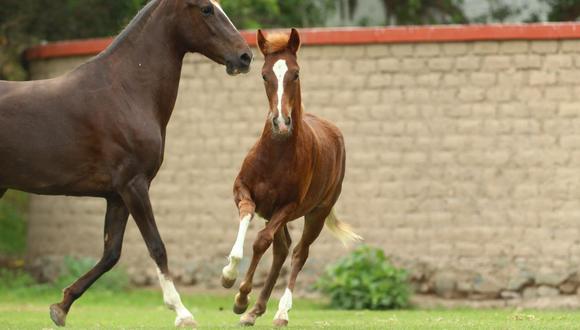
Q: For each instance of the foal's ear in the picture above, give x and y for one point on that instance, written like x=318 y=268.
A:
x=262 y=42
x=294 y=41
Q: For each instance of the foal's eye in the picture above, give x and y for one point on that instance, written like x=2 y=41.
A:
x=264 y=77
x=296 y=76
x=207 y=10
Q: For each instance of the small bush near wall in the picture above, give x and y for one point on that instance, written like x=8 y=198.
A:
x=18 y=280
x=13 y=224
x=366 y=279
x=114 y=280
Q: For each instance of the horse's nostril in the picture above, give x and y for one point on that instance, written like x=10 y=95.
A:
x=246 y=59
x=275 y=122
x=288 y=121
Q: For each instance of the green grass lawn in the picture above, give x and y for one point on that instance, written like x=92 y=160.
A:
x=141 y=309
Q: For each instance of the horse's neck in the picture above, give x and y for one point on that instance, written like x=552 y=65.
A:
x=147 y=60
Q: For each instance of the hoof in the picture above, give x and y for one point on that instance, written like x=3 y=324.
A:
x=58 y=315
x=247 y=320
x=227 y=283
x=279 y=323
x=240 y=305
x=187 y=322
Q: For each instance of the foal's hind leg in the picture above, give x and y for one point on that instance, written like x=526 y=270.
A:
x=281 y=244
x=136 y=197
x=115 y=222
x=313 y=224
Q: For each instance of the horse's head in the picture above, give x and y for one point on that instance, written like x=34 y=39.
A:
x=281 y=75
x=206 y=29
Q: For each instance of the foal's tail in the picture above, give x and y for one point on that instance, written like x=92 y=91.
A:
x=341 y=230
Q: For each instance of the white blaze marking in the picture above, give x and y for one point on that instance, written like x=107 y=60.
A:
x=231 y=270
x=280 y=69
x=217 y=5
x=172 y=299
x=284 y=306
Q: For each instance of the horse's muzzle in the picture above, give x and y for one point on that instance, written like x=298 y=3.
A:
x=239 y=65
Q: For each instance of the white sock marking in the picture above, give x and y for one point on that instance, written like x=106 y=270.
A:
x=231 y=270
x=280 y=68
x=172 y=299
x=284 y=306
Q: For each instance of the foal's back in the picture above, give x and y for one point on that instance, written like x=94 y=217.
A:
x=329 y=160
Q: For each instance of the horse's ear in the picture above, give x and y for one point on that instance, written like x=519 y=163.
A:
x=262 y=42
x=294 y=41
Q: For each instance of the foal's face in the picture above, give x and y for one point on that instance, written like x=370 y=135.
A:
x=281 y=75
x=206 y=29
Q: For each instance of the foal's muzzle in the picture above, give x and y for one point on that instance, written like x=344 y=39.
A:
x=282 y=127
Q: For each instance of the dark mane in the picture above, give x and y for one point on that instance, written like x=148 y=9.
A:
x=136 y=24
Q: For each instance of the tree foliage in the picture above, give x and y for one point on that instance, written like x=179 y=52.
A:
x=563 y=10
x=26 y=22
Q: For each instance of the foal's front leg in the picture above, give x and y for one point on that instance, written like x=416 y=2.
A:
x=261 y=244
x=136 y=197
x=246 y=209
x=281 y=244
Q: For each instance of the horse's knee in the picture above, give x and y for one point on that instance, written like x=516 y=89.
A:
x=110 y=260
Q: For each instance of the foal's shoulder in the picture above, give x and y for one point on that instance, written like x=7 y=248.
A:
x=321 y=125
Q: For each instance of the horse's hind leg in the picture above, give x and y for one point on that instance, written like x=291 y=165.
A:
x=136 y=197
x=313 y=224
x=115 y=222
x=281 y=246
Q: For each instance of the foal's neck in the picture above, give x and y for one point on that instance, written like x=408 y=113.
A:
x=147 y=58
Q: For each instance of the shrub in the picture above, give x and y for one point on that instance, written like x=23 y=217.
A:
x=366 y=279
x=114 y=280
x=14 y=279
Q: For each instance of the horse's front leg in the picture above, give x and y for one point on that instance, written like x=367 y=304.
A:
x=246 y=208
x=115 y=222
x=261 y=244
x=136 y=197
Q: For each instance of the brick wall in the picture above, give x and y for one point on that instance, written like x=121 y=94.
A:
x=463 y=165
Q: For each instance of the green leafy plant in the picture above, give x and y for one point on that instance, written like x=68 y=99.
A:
x=12 y=224
x=15 y=279
x=366 y=279
x=114 y=280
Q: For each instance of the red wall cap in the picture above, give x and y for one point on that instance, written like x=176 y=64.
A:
x=354 y=36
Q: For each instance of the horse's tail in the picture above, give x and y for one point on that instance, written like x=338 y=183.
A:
x=341 y=230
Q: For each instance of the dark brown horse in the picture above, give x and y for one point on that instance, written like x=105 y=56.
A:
x=295 y=169
x=100 y=130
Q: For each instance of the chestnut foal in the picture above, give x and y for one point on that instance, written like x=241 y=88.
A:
x=295 y=169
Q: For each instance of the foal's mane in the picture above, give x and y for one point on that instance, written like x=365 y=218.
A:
x=276 y=42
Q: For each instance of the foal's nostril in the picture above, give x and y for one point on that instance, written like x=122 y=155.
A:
x=288 y=121
x=275 y=122
x=246 y=59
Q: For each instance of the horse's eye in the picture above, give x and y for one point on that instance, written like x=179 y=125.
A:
x=207 y=10
x=296 y=76
x=264 y=77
